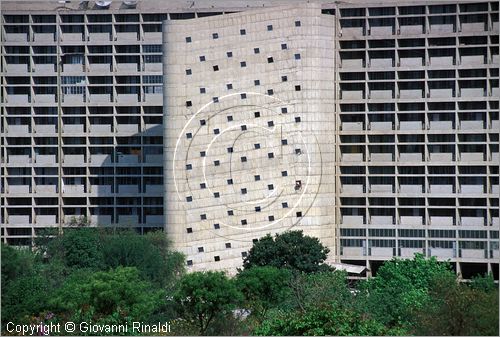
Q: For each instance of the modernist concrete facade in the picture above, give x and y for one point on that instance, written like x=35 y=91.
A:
x=395 y=105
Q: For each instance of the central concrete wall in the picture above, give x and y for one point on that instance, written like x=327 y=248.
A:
x=249 y=131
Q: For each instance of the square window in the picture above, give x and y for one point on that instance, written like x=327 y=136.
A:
x=243 y=254
x=228 y=245
x=284 y=142
x=284 y=110
x=189 y=262
x=229 y=54
x=243 y=32
x=297 y=23
x=216 y=226
x=284 y=46
x=189 y=103
x=189 y=166
x=256 y=50
x=284 y=204
x=215 y=36
x=270 y=59
x=230 y=212
x=284 y=173
x=270 y=155
x=189 y=230
x=217 y=163
x=284 y=78
x=200 y=250
x=189 y=135
x=243 y=96
x=203 y=216
x=243 y=191
x=256 y=114
x=256 y=82
x=299 y=214
x=216 y=68
x=203 y=90
x=270 y=123
x=243 y=128
x=229 y=118
x=203 y=154
x=297 y=56
x=216 y=195
x=271 y=218
x=189 y=198
x=297 y=119
x=243 y=159
x=203 y=186
x=216 y=258
x=230 y=181
x=257 y=177
x=269 y=27
x=298 y=151
x=257 y=146
x=257 y=208
x=215 y=99
x=230 y=150
x=188 y=72
x=297 y=88
x=244 y=222
x=202 y=58
x=243 y=64
x=270 y=187
x=270 y=92
x=229 y=86
x=216 y=131
x=255 y=240
x=203 y=122
x=188 y=39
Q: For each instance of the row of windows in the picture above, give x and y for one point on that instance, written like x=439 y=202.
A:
x=417 y=244
x=416 y=233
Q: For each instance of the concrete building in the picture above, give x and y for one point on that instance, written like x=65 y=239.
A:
x=373 y=125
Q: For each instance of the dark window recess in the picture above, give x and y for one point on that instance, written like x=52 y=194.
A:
x=189 y=230
x=270 y=187
x=229 y=86
x=297 y=119
x=203 y=217
x=188 y=39
x=298 y=151
x=256 y=114
x=189 y=198
x=188 y=72
x=243 y=64
x=243 y=128
x=189 y=166
x=189 y=262
x=230 y=150
x=270 y=155
x=215 y=99
x=270 y=60
x=299 y=214
x=228 y=245
x=297 y=88
x=270 y=123
x=270 y=92
x=216 y=68
x=202 y=58
x=203 y=186
x=216 y=195
x=244 y=222
x=284 y=142
x=189 y=103
x=203 y=154
x=269 y=27
x=215 y=36
x=256 y=82
x=297 y=23
x=284 y=110
x=230 y=212
x=243 y=96
x=271 y=218
x=284 y=204
x=297 y=56
x=217 y=163
x=243 y=32
x=229 y=118
x=256 y=50
x=189 y=135
x=255 y=240
x=243 y=159
x=230 y=181
x=200 y=250
x=216 y=258
x=244 y=254
x=284 y=173
x=243 y=191
x=229 y=54
x=257 y=208
x=257 y=177
x=257 y=146
x=216 y=226
x=216 y=131
x=203 y=90
x=284 y=78
x=284 y=46
x=203 y=122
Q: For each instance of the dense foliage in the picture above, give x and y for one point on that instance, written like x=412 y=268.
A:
x=285 y=288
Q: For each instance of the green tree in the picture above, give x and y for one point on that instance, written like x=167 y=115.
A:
x=291 y=249
x=203 y=297
x=263 y=288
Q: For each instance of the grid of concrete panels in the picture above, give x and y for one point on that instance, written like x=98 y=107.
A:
x=248 y=137
x=418 y=137
x=83 y=138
